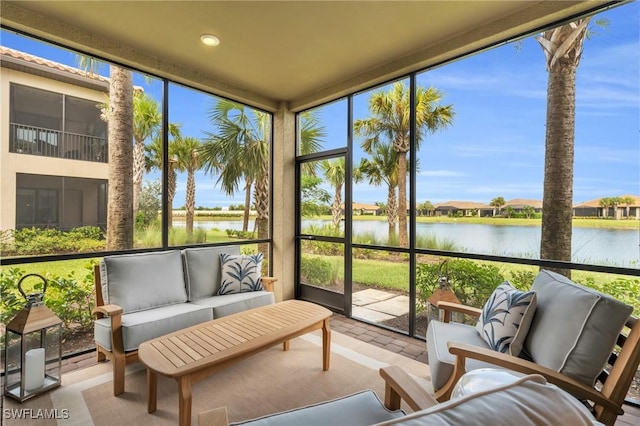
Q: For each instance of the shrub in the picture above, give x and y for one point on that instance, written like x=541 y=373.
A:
x=315 y=270
x=71 y=300
x=471 y=282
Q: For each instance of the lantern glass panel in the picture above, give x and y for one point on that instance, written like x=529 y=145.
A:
x=13 y=362
x=53 y=353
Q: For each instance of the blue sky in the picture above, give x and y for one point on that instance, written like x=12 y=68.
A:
x=496 y=144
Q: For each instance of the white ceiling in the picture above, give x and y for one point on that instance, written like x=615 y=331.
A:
x=299 y=52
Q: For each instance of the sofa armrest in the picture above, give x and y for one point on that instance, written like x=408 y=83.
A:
x=268 y=283
x=399 y=385
x=574 y=387
x=449 y=307
x=107 y=311
x=215 y=417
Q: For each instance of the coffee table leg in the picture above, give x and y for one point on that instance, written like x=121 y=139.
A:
x=184 y=400
x=152 y=390
x=326 y=345
x=285 y=345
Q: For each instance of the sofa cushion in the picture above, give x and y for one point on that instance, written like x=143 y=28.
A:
x=527 y=401
x=202 y=269
x=574 y=328
x=506 y=317
x=232 y=303
x=441 y=361
x=140 y=281
x=240 y=273
x=363 y=408
x=138 y=327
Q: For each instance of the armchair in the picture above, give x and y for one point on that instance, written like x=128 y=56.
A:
x=581 y=340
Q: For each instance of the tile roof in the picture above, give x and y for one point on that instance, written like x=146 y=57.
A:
x=22 y=56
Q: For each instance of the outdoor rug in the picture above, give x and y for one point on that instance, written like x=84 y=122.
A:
x=268 y=382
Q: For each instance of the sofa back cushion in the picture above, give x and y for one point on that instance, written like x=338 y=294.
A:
x=142 y=281
x=202 y=270
x=574 y=328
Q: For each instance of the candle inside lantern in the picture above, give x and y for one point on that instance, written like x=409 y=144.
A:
x=34 y=369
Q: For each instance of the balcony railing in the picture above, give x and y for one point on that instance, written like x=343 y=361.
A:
x=56 y=143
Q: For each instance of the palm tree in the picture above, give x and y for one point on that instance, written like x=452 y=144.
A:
x=153 y=161
x=390 y=122
x=147 y=119
x=120 y=219
x=311 y=135
x=382 y=168
x=334 y=172
x=498 y=202
x=562 y=47
x=240 y=152
x=188 y=159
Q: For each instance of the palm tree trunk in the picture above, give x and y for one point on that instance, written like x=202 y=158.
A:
x=190 y=201
x=138 y=172
x=171 y=193
x=558 y=177
x=262 y=210
x=247 y=206
x=402 y=199
x=336 y=212
x=120 y=191
x=392 y=211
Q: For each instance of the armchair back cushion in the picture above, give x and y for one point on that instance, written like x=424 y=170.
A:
x=202 y=269
x=574 y=328
x=142 y=281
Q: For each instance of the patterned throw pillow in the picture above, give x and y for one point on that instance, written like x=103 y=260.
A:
x=506 y=318
x=240 y=273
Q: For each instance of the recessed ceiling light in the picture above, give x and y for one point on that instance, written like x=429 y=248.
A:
x=210 y=39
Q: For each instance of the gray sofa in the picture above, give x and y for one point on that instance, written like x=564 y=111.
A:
x=146 y=295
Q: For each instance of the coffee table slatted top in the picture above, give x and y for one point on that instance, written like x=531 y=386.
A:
x=227 y=337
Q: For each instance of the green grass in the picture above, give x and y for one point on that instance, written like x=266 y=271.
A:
x=57 y=268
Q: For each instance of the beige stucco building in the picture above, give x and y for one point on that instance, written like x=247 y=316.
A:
x=53 y=165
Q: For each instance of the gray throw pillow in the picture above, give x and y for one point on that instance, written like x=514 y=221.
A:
x=506 y=317
x=240 y=273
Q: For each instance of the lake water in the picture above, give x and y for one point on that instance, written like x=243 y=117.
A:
x=614 y=247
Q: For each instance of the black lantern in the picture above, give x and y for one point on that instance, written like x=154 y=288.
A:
x=33 y=348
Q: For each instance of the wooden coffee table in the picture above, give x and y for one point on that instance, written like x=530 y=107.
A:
x=197 y=352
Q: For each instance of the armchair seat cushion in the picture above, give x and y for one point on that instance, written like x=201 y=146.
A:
x=232 y=303
x=363 y=408
x=138 y=327
x=441 y=361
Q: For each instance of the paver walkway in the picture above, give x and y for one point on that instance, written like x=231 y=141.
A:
x=378 y=306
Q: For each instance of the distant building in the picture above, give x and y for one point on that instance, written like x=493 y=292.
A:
x=364 y=209
x=594 y=208
x=519 y=204
x=53 y=165
x=466 y=209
